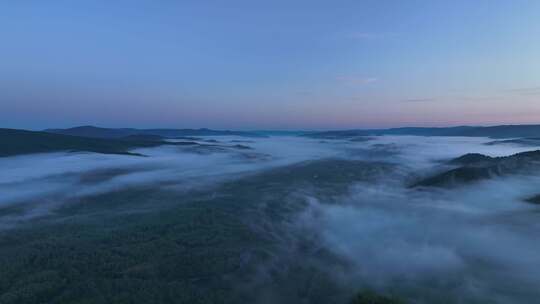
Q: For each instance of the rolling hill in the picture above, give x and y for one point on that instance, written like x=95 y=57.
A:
x=97 y=132
x=15 y=142
x=503 y=131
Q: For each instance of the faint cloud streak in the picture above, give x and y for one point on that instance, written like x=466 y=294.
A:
x=526 y=91
x=419 y=100
x=356 y=80
x=365 y=35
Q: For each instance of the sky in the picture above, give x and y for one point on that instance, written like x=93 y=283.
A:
x=302 y=64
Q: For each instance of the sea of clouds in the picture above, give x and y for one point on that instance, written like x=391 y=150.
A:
x=467 y=244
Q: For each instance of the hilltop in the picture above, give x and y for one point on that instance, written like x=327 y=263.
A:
x=97 y=132
x=502 y=131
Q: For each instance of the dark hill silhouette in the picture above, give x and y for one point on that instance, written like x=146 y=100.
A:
x=504 y=131
x=15 y=142
x=97 y=132
x=475 y=167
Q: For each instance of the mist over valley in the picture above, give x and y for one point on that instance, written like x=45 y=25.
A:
x=272 y=219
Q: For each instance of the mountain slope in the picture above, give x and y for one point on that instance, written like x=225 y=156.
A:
x=15 y=142
x=475 y=167
x=96 y=132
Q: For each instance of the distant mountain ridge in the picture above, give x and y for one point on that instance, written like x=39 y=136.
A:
x=97 y=132
x=16 y=142
x=502 y=131
x=19 y=142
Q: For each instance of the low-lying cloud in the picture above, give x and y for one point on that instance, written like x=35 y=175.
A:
x=471 y=243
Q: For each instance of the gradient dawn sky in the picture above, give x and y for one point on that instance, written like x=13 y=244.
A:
x=295 y=64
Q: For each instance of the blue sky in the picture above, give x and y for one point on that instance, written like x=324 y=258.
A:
x=269 y=64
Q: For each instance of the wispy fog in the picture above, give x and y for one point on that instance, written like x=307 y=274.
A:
x=467 y=244
x=49 y=179
x=475 y=243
